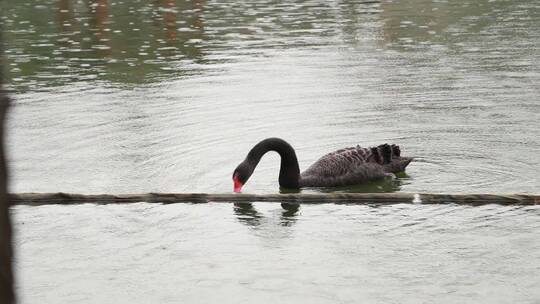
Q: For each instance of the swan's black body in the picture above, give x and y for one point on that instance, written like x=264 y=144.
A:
x=343 y=167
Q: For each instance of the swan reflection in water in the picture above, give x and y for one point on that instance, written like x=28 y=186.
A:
x=248 y=215
x=387 y=185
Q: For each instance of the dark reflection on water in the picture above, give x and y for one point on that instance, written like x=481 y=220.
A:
x=377 y=186
x=248 y=215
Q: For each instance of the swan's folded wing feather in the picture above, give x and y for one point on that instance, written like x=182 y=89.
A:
x=339 y=162
x=352 y=162
x=364 y=172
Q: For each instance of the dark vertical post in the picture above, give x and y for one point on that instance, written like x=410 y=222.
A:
x=7 y=294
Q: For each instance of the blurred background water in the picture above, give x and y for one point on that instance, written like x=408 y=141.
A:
x=138 y=96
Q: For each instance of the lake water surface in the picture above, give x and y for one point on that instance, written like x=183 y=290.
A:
x=168 y=96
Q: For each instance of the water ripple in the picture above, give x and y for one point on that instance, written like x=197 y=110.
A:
x=175 y=104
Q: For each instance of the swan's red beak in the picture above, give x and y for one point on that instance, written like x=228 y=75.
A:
x=237 y=185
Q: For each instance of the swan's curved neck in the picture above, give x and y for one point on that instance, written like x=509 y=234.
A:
x=289 y=173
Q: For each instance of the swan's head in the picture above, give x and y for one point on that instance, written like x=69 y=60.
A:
x=241 y=175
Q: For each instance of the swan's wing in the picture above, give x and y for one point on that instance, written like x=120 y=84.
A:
x=351 y=160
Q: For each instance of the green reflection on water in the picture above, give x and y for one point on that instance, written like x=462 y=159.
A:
x=115 y=41
x=134 y=42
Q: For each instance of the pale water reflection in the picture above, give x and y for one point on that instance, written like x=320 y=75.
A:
x=202 y=253
x=168 y=96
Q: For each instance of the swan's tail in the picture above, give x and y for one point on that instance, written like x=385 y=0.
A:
x=398 y=164
x=390 y=157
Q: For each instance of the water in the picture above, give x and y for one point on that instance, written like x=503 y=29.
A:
x=212 y=253
x=168 y=96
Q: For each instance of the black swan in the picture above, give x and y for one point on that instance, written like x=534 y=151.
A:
x=348 y=166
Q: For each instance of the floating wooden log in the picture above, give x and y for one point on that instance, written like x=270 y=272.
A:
x=338 y=198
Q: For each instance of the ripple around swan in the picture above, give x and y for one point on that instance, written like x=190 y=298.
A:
x=162 y=134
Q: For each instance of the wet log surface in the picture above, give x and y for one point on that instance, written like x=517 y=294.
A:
x=343 y=198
